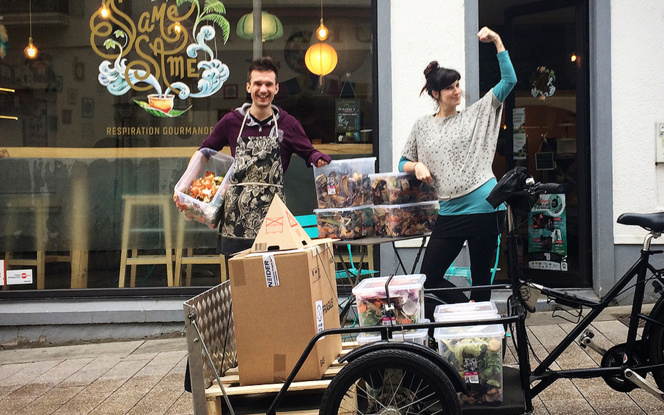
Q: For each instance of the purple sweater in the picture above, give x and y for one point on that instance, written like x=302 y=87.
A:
x=292 y=138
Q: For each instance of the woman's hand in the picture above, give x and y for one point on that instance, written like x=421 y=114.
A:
x=422 y=172
x=321 y=162
x=486 y=35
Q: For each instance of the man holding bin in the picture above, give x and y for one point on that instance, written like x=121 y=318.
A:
x=262 y=138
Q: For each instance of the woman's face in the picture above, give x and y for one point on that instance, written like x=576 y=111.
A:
x=450 y=97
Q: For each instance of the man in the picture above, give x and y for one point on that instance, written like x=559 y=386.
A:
x=262 y=137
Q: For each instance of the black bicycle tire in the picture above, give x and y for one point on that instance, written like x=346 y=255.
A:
x=367 y=365
x=655 y=347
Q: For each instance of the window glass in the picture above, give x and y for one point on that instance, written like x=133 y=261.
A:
x=98 y=128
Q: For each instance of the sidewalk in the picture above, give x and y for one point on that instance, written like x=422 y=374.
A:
x=146 y=376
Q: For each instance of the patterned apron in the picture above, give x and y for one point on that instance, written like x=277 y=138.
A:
x=257 y=177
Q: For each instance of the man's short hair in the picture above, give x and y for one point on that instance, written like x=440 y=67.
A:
x=264 y=64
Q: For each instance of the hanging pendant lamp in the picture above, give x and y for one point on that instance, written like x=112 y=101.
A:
x=271 y=27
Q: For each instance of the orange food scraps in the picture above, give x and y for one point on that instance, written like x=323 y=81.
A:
x=206 y=187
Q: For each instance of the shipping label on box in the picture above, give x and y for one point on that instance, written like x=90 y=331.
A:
x=18 y=276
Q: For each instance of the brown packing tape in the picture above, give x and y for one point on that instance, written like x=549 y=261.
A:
x=279 y=363
x=237 y=272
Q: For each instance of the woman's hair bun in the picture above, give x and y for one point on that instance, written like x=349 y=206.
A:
x=432 y=66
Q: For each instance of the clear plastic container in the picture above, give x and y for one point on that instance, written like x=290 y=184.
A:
x=406 y=219
x=220 y=165
x=400 y=187
x=342 y=223
x=368 y=228
x=344 y=183
x=406 y=296
x=476 y=352
x=445 y=312
x=416 y=336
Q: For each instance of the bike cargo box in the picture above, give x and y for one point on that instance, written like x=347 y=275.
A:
x=281 y=299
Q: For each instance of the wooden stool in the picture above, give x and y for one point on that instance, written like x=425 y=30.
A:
x=190 y=259
x=135 y=201
x=39 y=206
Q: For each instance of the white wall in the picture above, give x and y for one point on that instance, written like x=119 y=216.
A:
x=422 y=31
x=637 y=104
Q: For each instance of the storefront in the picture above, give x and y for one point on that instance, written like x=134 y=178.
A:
x=80 y=151
x=100 y=125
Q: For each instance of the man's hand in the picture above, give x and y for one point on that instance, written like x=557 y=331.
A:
x=176 y=199
x=321 y=162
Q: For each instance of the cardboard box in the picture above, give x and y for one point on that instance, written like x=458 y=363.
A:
x=281 y=299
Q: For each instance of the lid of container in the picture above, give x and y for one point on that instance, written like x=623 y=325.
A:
x=374 y=176
x=482 y=330
x=475 y=315
x=399 y=284
x=466 y=307
x=340 y=209
x=429 y=204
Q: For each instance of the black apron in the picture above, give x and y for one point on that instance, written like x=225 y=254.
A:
x=257 y=177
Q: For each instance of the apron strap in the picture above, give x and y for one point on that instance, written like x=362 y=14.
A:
x=257 y=184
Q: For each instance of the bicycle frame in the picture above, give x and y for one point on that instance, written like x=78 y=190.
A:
x=543 y=372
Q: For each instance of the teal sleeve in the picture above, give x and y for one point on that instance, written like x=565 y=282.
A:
x=402 y=162
x=507 y=77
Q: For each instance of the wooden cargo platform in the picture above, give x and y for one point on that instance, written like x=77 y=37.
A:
x=303 y=398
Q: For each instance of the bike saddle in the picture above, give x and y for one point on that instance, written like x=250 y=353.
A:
x=651 y=221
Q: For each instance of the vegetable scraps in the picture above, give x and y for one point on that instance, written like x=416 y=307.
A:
x=406 y=305
x=479 y=362
x=206 y=187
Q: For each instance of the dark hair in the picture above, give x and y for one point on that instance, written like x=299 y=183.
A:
x=438 y=78
x=264 y=64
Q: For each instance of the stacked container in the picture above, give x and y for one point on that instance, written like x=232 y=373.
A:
x=396 y=188
x=343 y=193
x=476 y=352
x=404 y=206
x=406 y=298
x=406 y=219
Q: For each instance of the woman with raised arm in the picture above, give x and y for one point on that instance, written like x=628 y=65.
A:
x=454 y=150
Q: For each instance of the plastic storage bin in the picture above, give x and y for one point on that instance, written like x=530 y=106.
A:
x=398 y=188
x=445 y=312
x=416 y=336
x=405 y=219
x=476 y=352
x=406 y=295
x=343 y=223
x=344 y=183
x=209 y=213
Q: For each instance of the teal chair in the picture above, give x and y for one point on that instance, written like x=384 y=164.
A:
x=308 y=222
x=464 y=272
x=351 y=272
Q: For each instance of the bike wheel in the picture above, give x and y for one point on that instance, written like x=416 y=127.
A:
x=656 y=348
x=390 y=382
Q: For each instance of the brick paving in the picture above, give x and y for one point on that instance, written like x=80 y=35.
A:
x=146 y=377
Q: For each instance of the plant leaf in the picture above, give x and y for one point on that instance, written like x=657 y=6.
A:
x=221 y=22
x=214 y=6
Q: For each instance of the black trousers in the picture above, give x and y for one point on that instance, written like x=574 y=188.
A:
x=445 y=244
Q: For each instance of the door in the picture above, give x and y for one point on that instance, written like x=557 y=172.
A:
x=546 y=129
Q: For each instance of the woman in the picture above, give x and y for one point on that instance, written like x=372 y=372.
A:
x=454 y=150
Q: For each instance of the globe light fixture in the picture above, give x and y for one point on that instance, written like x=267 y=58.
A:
x=271 y=27
x=321 y=59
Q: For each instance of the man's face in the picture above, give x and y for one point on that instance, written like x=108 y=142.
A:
x=262 y=87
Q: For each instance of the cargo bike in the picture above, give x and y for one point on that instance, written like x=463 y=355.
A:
x=391 y=377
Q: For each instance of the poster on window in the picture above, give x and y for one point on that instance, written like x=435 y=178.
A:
x=547 y=233
x=519 y=136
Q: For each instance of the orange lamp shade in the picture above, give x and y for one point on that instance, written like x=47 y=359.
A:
x=321 y=58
